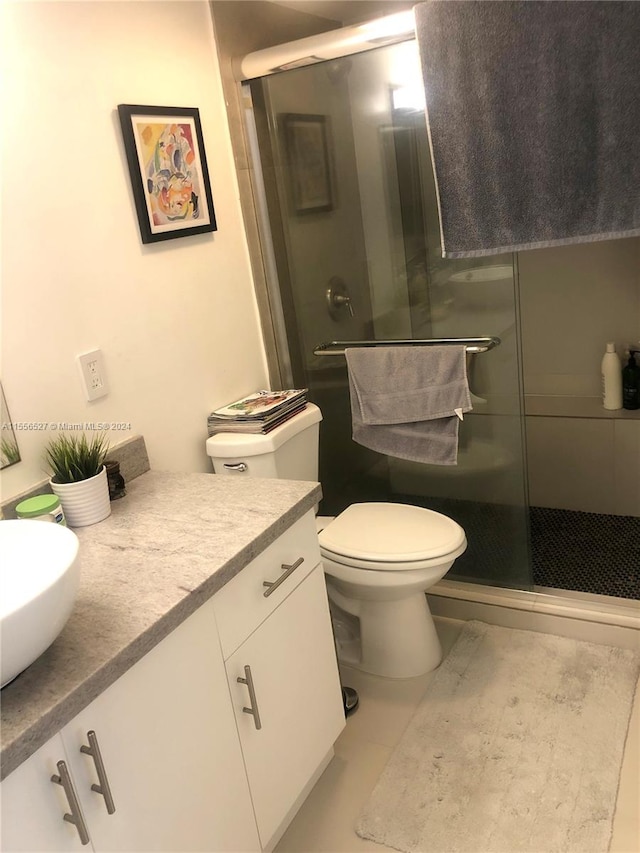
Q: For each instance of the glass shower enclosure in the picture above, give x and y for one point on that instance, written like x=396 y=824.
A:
x=352 y=212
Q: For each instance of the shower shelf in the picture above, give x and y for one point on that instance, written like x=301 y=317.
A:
x=566 y=406
x=472 y=345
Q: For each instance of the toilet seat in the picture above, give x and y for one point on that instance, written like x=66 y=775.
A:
x=391 y=537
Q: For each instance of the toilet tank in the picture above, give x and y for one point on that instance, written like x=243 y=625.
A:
x=289 y=452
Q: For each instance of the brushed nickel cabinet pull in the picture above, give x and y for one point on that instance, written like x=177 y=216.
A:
x=75 y=817
x=253 y=709
x=103 y=788
x=273 y=585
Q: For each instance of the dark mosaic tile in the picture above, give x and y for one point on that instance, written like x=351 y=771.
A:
x=586 y=551
x=497 y=552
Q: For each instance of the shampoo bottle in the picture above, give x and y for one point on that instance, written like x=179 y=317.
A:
x=631 y=384
x=611 y=378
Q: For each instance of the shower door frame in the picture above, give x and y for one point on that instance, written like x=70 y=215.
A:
x=449 y=596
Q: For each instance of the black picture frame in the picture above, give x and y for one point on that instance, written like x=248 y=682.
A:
x=307 y=145
x=168 y=171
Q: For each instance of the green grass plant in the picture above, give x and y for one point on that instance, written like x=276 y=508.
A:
x=72 y=457
x=9 y=453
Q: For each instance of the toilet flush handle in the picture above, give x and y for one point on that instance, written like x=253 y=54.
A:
x=235 y=466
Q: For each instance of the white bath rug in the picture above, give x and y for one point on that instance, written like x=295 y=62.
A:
x=516 y=746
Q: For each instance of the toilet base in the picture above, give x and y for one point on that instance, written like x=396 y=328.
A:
x=397 y=639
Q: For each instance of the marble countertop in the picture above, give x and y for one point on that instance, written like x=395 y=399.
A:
x=168 y=546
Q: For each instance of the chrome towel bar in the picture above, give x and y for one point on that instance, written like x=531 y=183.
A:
x=473 y=345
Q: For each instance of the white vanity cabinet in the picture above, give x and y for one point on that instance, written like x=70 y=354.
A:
x=169 y=746
x=283 y=676
x=187 y=767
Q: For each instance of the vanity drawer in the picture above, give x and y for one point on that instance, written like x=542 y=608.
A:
x=241 y=605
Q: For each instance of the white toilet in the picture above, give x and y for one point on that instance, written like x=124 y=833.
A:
x=379 y=558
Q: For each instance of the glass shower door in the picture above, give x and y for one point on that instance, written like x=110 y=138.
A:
x=352 y=209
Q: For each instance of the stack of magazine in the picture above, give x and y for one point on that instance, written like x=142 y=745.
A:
x=258 y=413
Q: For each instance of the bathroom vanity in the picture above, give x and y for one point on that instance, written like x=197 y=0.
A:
x=193 y=698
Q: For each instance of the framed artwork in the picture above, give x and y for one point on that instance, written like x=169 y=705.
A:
x=308 y=154
x=168 y=171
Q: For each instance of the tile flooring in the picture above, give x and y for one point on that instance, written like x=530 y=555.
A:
x=569 y=550
x=325 y=822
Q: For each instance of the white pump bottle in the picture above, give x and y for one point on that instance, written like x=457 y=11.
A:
x=611 y=378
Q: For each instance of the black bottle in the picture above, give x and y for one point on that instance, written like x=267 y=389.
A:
x=115 y=480
x=631 y=384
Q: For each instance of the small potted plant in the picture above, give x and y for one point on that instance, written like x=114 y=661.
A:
x=79 y=477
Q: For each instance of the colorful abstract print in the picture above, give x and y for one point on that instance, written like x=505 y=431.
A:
x=171 y=170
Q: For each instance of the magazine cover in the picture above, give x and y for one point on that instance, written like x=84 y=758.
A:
x=259 y=404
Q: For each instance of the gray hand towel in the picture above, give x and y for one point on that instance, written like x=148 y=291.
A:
x=533 y=112
x=404 y=400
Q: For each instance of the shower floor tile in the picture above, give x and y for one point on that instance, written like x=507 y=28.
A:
x=586 y=551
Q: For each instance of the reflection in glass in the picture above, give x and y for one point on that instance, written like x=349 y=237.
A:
x=9 y=453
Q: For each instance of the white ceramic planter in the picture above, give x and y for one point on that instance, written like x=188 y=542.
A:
x=85 y=502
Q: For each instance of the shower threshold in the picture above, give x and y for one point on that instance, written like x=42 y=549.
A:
x=599 y=619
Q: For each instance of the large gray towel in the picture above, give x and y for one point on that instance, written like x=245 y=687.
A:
x=533 y=110
x=404 y=400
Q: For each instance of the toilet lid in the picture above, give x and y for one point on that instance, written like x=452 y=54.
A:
x=394 y=533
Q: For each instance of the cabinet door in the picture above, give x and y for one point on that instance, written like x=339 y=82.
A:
x=293 y=666
x=170 y=749
x=33 y=807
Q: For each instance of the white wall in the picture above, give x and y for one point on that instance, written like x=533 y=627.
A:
x=177 y=321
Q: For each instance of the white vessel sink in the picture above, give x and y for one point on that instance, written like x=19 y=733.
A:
x=39 y=578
